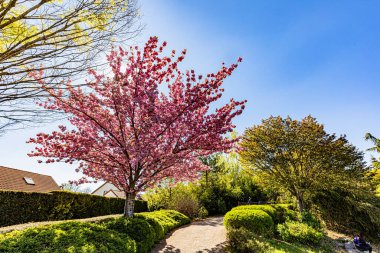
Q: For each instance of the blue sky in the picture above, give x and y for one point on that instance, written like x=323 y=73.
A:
x=299 y=58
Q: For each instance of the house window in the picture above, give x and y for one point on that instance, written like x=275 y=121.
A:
x=29 y=180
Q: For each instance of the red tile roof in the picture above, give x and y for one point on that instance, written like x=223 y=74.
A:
x=14 y=180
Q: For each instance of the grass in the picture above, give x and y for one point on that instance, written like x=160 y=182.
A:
x=284 y=247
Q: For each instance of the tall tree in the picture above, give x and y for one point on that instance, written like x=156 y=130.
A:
x=375 y=172
x=61 y=37
x=299 y=156
x=376 y=148
x=130 y=132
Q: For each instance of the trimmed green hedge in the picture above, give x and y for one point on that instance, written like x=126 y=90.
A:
x=167 y=220
x=256 y=221
x=114 y=235
x=148 y=228
x=279 y=212
x=23 y=207
x=73 y=237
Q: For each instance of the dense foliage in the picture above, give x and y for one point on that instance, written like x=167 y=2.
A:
x=346 y=212
x=279 y=213
x=23 y=207
x=256 y=221
x=250 y=228
x=294 y=231
x=374 y=175
x=219 y=189
x=299 y=156
x=131 y=235
x=126 y=130
x=67 y=237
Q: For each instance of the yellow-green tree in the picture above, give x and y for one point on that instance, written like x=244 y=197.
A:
x=61 y=37
x=299 y=156
x=375 y=173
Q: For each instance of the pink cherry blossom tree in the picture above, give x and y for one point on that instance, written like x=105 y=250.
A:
x=132 y=132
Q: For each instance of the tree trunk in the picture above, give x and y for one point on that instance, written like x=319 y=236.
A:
x=301 y=204
x=129 y=204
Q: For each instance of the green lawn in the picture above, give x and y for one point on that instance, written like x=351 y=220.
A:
x=284 y=247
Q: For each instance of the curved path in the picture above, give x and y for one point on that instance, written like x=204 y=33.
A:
x=208 y=235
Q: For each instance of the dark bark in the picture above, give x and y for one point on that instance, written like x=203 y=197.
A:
x=300 y=201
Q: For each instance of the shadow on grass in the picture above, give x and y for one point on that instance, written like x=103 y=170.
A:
x=285 y=247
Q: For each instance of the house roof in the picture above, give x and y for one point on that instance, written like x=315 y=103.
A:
x=20 y=180
x=118 y=193
x=98 y=188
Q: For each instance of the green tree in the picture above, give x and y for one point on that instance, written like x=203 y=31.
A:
x=61 y=37
x=299 y=156
x=375 y=173
x=226 y=183
x=376 y=148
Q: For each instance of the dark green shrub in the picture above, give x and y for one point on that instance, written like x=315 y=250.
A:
x=348 y=213
x=137 y=229
x=67 y=237
x=22 y=207
x=140 y=206
x=311 y=220
x=293 y=231
x=256 y=221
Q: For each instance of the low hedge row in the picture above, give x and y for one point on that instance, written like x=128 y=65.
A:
x=131 y=235
x=23 y=207
x=278 y=212
x=67 y=237
x=147 y=228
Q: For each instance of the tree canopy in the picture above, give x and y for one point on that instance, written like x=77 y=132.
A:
x=61 y=37
x=299 y=156
x=131 y=133
x=375 y=173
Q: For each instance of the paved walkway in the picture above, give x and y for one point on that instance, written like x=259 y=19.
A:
x=207 y=235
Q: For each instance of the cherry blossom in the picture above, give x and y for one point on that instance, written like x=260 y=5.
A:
x=147 y=122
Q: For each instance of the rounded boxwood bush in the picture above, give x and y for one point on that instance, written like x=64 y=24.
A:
x=256 y=221
x=293 y=231
x=279 y=212
x=66 y=237
x=138 y=229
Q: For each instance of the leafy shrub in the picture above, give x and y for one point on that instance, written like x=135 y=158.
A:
x=311 y=220
x=67 y=237
x=22 y=207
x=185 y=203
x=166 y=219
x=293 y=231
x=202 y=213
x=242 y=240
x=138 y=229
x=279 y=213
x=348 y=213
x=129 y=235
x=256 y=221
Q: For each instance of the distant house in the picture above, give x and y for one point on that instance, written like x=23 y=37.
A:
x=109 y=190
x=20 y=180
